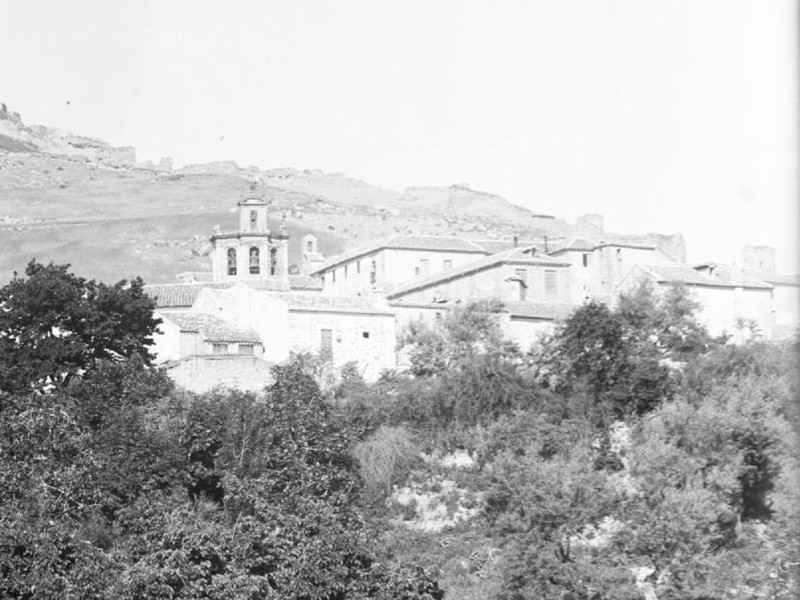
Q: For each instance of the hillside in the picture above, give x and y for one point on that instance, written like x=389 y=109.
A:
x=69 y=198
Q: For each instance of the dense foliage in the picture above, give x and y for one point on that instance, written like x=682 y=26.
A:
x=628 y=455
x=53 y=325
x=115 y=485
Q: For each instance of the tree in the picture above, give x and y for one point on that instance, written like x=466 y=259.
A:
x=455 y=339
x=54 y=325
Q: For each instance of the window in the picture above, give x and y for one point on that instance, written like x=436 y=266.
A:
x=273 y=261
x=425 y=266
x=550 y=284
x=253 y=220
x=255 y=267
x=619 y=254
x=365 y=335
x=521 y=276
x=345 y=271
x=326 y=345
x=358 y=267
x=333 y=276
x=416 y=271
x=309 y=246
x=246 y=349
x=231 y=261
x=585 y=260
x=219 y=348
x=373 y=275
x=448 y=264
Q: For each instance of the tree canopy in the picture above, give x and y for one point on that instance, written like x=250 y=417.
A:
x=54 y=325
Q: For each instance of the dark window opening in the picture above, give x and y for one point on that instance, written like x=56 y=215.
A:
x=365 y=335
x=273 y=261
x=585 y=260
x=448 y=264
x=219 y=348
x=231 y=261
x=255 y=266
x=253 y=220
x=310 y=246
x=521 y=275
x=246 y=349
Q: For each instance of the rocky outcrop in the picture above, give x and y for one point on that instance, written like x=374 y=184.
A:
x=54 y=141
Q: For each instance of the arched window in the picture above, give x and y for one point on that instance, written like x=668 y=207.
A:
x=255 y=268
x=253 y=220
x=231 y=261
x=273 y=261
x=310 y=246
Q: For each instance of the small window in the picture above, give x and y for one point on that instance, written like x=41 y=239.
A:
x=273 y=261
x=365 y=335
x=585 y=260
x=425 y=266
x=246 y=349
x=255 y=265
x=333 y=276
x=416 y=271
x=310 y=246
x=619 y=253
x=448 y=264
x=218 y=348
x=358 y=267
x=550 y=284
x=231 y=261
x=345 y=271
x=521 y=275
x=253 y=220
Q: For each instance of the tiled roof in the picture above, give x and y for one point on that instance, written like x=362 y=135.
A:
x=212 y=327
x=516 y=256
x=689 y=276
x=336 y=304
x=435 y=243
x=549 y=311
x=495 y=246
x=576 y=244
x=177 y=295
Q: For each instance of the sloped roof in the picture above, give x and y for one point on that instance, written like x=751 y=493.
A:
x=213 y=328
x=516 y=256
x=689 y=276
x=436 y=243
x=178 y=295
x=494 y=246
x=576 y=244
x=524 y=309
x=775 y=278
x=547 y=311
x=335 y=304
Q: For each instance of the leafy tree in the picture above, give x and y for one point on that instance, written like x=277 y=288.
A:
x=456 y=338
x=668 y=320
x=54 y=325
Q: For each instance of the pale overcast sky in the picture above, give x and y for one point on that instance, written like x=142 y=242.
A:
x=674 y=115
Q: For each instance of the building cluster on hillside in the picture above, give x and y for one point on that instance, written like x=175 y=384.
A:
x=229 y=326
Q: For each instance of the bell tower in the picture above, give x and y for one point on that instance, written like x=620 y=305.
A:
x=244 y=255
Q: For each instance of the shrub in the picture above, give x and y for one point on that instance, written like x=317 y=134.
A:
x=386 y=457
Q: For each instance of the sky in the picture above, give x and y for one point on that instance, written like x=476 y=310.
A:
x=666 y=116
